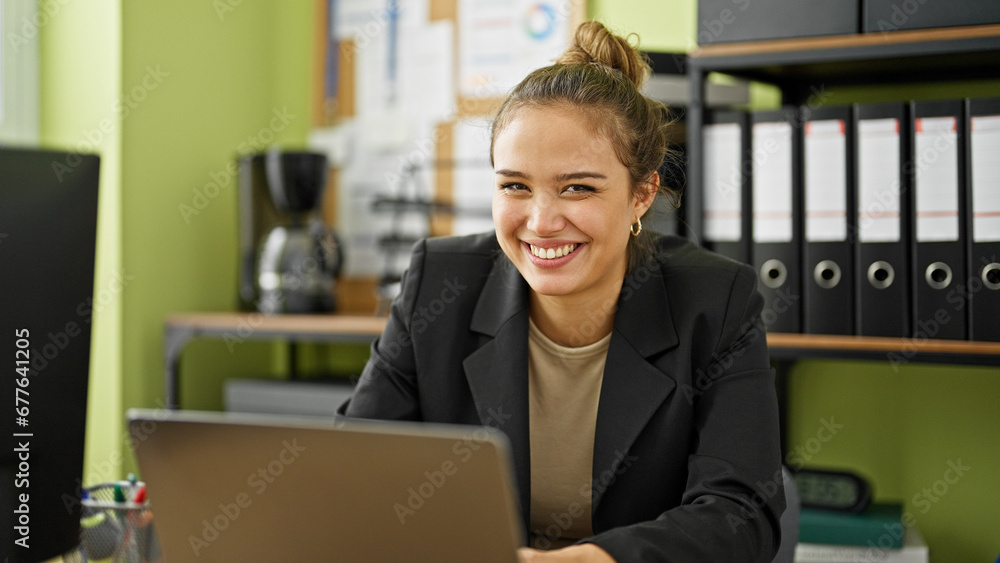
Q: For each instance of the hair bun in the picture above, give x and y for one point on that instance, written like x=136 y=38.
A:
x=593 y=43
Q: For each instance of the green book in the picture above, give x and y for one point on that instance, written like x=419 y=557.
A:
x=880 y=525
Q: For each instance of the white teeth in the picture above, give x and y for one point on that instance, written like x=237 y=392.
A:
x=550 y=253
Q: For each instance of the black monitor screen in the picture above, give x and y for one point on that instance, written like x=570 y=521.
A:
x=48 y=226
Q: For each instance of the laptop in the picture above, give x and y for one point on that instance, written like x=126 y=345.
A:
x=247 y=487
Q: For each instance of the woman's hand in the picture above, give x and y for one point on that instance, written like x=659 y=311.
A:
x=583 y=553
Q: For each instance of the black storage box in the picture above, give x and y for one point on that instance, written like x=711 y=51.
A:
x=895 y=15
x=727 y=21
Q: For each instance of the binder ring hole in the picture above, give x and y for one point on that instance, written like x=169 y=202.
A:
x=881 y=274
x=938 y=275
x=773 y=273
x=991 y=276
x=827 y=274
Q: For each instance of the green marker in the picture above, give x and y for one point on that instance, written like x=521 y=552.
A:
x=119 y=493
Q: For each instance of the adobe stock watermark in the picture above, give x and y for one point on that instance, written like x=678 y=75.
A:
x=258 y=482
x=802 y=454
x=55 y=342
x=121 y=108
x=596 y=318
x=926 y=329
x=731 y=187
x=899 y=14
x=30 y=27
x=713 y=28
x=424 y=151
x=880 y=548
x=764 y=491
x=752 y=331
x=880 y=202
x=422 y=319
x=220 y=180
x=561 y=522
x=364 y=34
x=436 y=478
x=225 y=7
x=795 y=459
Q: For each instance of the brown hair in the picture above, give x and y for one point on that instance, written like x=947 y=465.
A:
x=602 y=73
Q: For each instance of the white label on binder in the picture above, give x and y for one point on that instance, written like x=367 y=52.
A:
x=723 y=182
x=936 y=179
x=772 y=182
x=878 y=180
x=825 y=165
x=985 y=147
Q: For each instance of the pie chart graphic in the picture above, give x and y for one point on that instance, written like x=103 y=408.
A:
x=540 y=21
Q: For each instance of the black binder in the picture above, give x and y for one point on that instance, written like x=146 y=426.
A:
x=828 y=227
x=984 y=227
x=777 y=219
x=883 y=280
x=939 y=202
x=726 y=199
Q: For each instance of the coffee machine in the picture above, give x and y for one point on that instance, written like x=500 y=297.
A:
x=289 y=257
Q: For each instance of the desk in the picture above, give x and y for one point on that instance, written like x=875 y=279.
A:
x=181 y=328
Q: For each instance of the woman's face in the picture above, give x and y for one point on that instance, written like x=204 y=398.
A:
x=563 y=203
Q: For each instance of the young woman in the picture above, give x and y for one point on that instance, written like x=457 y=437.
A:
x=630 y=371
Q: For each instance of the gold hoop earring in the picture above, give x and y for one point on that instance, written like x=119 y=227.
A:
x=635 y=231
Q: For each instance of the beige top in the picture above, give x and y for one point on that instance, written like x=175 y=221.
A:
x=564 y=386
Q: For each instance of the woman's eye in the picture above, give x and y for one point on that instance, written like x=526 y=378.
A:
x=578 y=189
x=513 y=187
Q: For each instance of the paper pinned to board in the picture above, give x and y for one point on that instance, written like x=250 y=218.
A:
x=402 y=172
x=501 y=42
x=474 y=181
x=427 y=70
x=365 y=20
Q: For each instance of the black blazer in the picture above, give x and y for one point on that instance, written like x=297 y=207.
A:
x=686 y=452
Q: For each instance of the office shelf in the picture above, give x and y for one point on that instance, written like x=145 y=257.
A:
x=180 y=329
x=805 y=68
x=801 y=68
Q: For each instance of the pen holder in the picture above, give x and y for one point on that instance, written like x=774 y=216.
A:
x=114 y=530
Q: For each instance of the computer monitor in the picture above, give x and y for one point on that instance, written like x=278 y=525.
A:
x=48 y=226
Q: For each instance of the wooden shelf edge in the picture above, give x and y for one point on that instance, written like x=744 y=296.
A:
x=750 y=48
x=320 y=323
x=881 y=344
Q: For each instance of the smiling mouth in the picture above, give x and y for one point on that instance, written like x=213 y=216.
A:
x=552 y=253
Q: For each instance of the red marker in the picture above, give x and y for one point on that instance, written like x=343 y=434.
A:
x=140 y=495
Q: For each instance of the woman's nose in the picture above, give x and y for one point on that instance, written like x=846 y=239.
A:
x=546 y=217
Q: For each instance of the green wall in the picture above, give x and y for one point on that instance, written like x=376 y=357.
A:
x=198 y=83
x=169 y=94
x=228 y=83
x=79 y=82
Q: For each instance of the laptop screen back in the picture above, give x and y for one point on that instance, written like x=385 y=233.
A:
x=226 y=487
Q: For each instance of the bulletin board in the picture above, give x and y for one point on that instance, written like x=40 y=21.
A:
x=404 y=92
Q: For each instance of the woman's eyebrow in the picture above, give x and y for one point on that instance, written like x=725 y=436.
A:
x=512 y=173
x=580 y=175
x=560 y=177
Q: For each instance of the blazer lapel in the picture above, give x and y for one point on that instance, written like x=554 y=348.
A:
x=497 y=372
x=632 y=388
